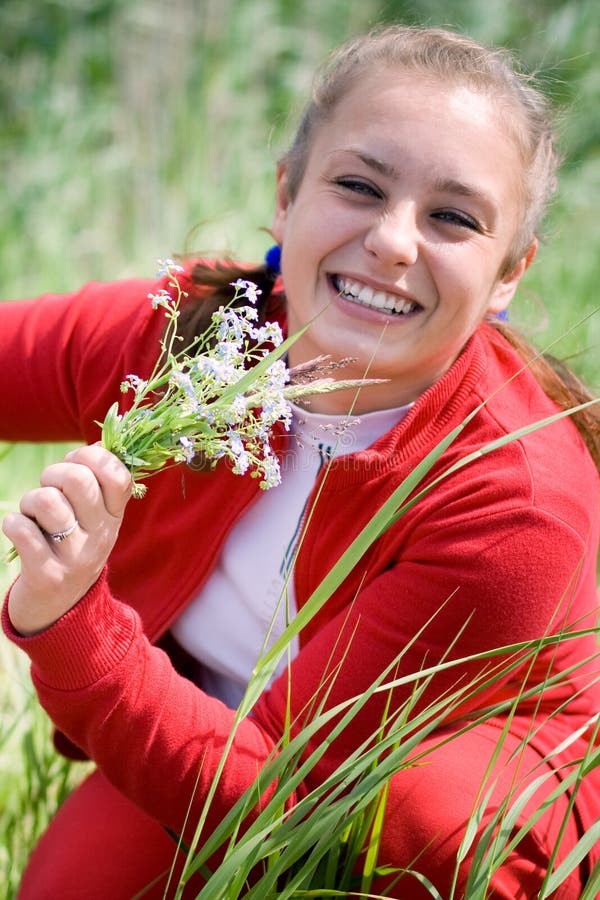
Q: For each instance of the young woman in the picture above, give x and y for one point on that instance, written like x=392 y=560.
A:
x=407 y=211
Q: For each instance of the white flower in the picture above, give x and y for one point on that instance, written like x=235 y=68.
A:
x=133 y=381
x=162 y=298
x=188 y=448
x=235 y=414
x=274 y=408
x=204 y=413
x=242 y=464
x=271 y=470
x=167 y=267
x=234 y=324
x=279 y=371
x=269 y=333
x=230 y=352
x=220 y=371
x=184 y=382
x=236 y=444
x=247 y=289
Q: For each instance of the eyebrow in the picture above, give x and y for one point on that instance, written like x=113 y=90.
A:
x=452 y=186
x=374 y=162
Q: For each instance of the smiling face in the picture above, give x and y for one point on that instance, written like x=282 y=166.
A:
x=398 y=235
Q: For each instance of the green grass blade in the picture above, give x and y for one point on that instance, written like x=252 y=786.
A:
x=592 y=887
x=572 y=860
x=379 y=522
x=490 y=447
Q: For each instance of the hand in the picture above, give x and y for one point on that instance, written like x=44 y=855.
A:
x=91 y=488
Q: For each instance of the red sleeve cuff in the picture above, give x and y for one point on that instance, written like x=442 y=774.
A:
x=84 y=644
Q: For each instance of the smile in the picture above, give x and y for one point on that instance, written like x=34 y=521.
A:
x=366 y=296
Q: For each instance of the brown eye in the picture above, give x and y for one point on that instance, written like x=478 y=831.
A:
x=358 y=186
x=453 y=217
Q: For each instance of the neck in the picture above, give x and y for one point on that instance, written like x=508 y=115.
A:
x=356 y=400
x=369 y=394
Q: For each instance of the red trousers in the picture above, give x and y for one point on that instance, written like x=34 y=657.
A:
x=101 y=847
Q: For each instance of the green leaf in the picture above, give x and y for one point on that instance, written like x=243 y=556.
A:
x=110 y=426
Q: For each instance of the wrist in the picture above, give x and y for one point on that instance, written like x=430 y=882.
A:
x=83 y=644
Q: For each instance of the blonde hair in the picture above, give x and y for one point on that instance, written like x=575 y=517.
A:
x=459 y=61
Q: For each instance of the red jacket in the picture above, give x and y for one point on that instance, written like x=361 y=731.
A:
x=508 y=544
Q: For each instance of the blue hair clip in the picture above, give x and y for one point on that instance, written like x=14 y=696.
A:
x=273 y=258
x=503 y=315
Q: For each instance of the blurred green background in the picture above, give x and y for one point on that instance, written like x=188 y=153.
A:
x=132 y=129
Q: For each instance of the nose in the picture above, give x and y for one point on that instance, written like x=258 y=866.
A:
x=394 y=237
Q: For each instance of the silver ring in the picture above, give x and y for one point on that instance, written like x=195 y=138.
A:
x=59 y=536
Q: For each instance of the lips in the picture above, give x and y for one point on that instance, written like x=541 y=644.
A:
x=364 y=295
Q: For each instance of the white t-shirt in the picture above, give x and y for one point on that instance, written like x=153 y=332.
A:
x=248 y=599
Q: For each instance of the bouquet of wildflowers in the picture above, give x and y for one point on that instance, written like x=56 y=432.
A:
x=218 y=398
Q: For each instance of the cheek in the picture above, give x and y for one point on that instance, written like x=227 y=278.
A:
x=472 y=271
x=302 y=252
x=317 y=226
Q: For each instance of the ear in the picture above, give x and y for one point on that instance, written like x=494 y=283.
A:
x=282 y=204
x=506 y=287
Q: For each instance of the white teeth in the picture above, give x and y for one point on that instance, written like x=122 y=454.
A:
x=363 y=294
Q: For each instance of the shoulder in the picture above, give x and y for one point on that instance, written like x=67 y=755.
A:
x=552 y=454
x=508 y=459
x=482 y=435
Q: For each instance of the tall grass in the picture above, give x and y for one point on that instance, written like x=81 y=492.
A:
x=132 y=129
x=316 y=847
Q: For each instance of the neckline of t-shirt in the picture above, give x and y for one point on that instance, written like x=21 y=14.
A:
x=344 y=433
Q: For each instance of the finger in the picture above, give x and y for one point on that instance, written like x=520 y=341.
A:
x=26 y=537
x=48 y=508
x=47 y=586
x=94 y=482
x=49 y=511
x=82 y=498
x=112 y=476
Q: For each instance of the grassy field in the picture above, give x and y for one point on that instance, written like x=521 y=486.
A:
x=131 y=133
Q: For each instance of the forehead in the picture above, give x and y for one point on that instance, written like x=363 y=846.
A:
x=408 y=121
x=395 y=102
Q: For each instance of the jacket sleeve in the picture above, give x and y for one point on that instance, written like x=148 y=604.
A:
x=62 y=357
x=156 y=736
